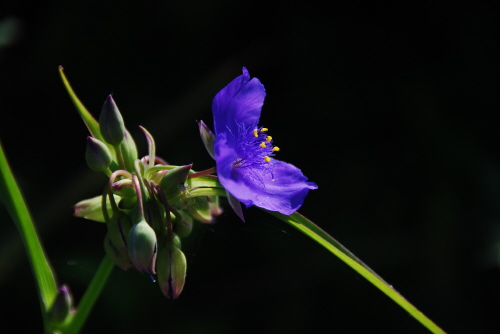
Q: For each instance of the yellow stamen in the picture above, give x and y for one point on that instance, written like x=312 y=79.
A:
x=238 y=162
x=263 y=145
x=269 y=138
x=276 y=148
x=267 y=158
x=264 y=130
x=255 y=133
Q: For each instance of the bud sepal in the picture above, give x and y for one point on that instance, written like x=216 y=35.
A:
x=97 y=155
x=111 y=122
x=171 y=270
x=62 y=309
x=141 y=247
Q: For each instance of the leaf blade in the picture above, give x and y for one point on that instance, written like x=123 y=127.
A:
x=12 y=198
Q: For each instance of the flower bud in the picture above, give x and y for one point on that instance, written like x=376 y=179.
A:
x=127 y=203
x=97 y=155
x=124 y=188
x=203 y=208
x=171 y=267
x=111 y=122
x=174 y=181
x=183 y=226
x=92 y=208
x=118 y=230
x=115 y=242
x=141 y=247
x=129 y=151
x=214 y=204
x=62 y=306
x=119 y=256
x=176 y=241
x=208 y=138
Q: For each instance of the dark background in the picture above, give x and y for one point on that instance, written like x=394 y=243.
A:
x=389 y=108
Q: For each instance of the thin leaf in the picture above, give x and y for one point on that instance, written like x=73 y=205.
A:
x=14 y=202
x=317 y=234
x=88 y=119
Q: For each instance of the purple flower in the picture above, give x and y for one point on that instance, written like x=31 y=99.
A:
x=244 y=151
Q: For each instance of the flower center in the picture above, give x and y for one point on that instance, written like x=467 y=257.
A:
x=255 y=147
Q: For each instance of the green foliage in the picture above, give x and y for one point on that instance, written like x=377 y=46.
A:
x=11 y=196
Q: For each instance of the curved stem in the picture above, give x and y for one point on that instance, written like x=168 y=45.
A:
x=151 y=147
x=324 y=239
x=140 y=203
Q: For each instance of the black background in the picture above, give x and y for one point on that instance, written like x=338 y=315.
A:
x=389 y=108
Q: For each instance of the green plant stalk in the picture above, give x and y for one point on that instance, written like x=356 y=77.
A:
x=12 y=198
x=206 y=186
x=324 y=239
x=90 y=297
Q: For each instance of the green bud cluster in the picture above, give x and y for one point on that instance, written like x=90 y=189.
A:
x=147 y=204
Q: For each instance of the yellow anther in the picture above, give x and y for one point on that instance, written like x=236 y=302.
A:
x=263 y=145
x=267 y=158
x=238 y=162
x=276 y=148
x=269 y=138
x=255 y=133
x=264 y=130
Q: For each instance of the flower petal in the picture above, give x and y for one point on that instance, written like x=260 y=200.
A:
x=238 y=104
x=281 y=187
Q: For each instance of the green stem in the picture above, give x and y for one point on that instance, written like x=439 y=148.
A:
x=90 y=296
x=317 y=234
x=12 y=198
